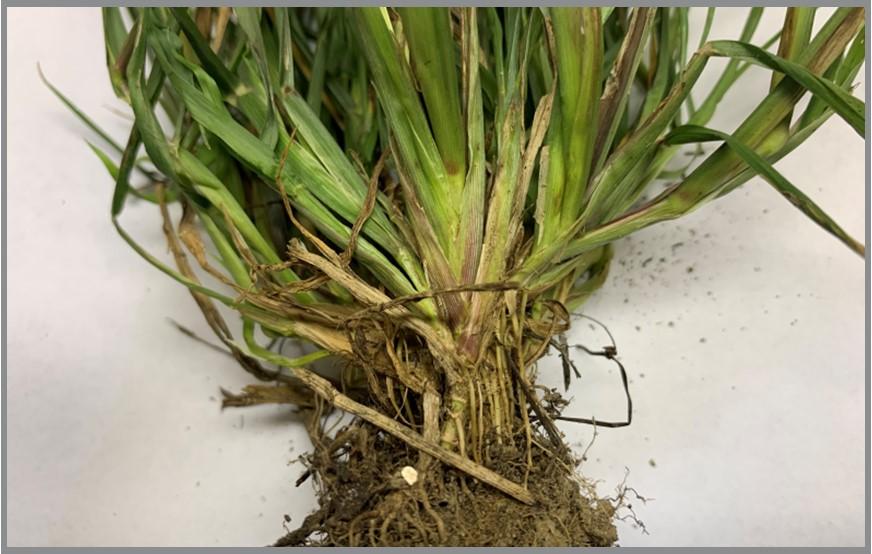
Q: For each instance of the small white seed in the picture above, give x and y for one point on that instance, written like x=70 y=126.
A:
x=410 y=475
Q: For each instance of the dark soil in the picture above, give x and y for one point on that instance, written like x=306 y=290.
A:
x=365 y=502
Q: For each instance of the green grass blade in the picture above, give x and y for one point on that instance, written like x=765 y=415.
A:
x=194 y=286
x=472 y=219
x=194 y=174
x=301 y=171
x=730 y=74
x=854 y=58
x=606 y=190
x=707 y=27
x=666 y=153
x=150 y=132
x=694 y=133
x=285 y=49
x=319 y=68
x=114 y=171
x=757 y=129
x=82 y=116
x=142 y=98
x=842 y=74
x=114 y=31
x=231 y=261
x=216 y=68
x=122 y=183
x=795 y=35
x=597 y=274
x=552 y=177
x=250 y=22
x=184 y=168
x=116 y=37
x=849 y=108
x=711 y=175
x=423 y=173
x=106 y=161
x=618 y=85
x=579 y=54
x=665 y=40
x=800 y=132
x=208 y=109
x=431 y=47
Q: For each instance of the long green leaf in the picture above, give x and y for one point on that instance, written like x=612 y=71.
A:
x=579 y=53
x=472 y=220
x=695 y=133
x=711 y=175
x=143 y=99
x=116 y=40
x=216 y=68
x=617 y=89
x=416 y=148
x=197 y=287
x=707 y=27
x=730 y=74
x=850 y=109
x=428 y=32
x=82 y=116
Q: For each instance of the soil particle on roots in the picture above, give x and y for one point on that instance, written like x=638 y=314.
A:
x=364 y=501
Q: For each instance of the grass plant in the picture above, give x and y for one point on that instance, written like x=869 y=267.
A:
x=427 y=194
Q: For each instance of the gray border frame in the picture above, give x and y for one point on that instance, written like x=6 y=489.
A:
x=352 y=3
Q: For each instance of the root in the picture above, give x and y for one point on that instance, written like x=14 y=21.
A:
x=362 y=505
x=623 y=501
x=325 y=390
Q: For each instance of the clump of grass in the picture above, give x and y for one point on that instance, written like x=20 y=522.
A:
x=428 y=193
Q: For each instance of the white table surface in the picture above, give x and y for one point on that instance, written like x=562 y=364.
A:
x=747 y=373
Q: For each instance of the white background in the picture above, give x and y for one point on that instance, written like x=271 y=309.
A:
x=747 y=372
